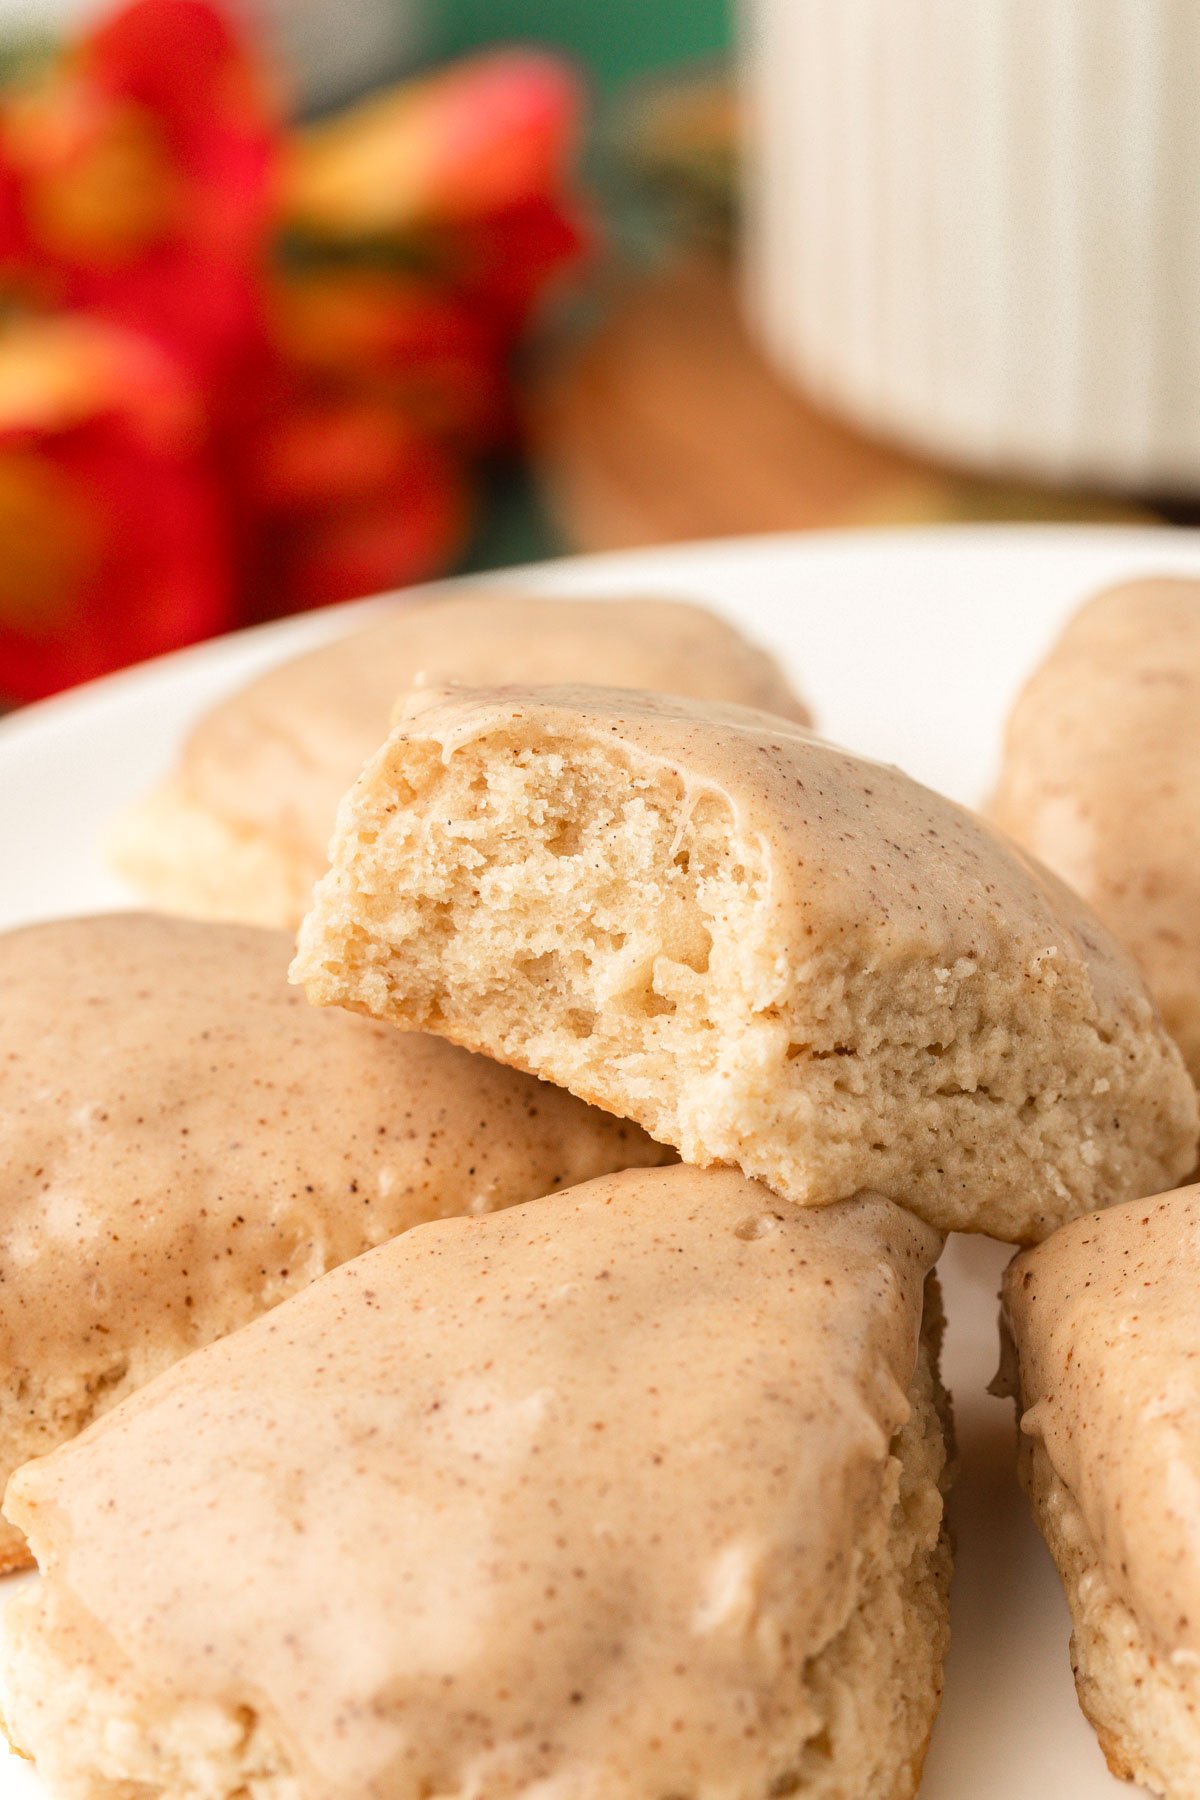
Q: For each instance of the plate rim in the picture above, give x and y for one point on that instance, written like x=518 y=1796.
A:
x=308 y=629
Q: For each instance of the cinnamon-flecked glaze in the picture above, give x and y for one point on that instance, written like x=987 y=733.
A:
x=184 y=1141
x=563 y=1496
x=1101 y=780
x=242 y=827
x=1105 y=1324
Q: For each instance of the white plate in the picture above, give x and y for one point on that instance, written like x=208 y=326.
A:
x=910 y=646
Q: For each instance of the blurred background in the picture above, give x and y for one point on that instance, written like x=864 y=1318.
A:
x=309 y=299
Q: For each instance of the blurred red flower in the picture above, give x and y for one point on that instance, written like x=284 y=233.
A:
x=140 y=180
x=113 y=543
x=505 y=264
x=137 y=180
x=424 y=224
x=346 y=498
x=492 y=133
x=431 y=353
x=332 y=314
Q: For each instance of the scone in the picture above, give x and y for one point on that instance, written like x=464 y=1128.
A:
x=630 y=1493
x=241 y=829
x=1101 y=779
x=1103 y=1352
x=184 y=1142
x=767 y=951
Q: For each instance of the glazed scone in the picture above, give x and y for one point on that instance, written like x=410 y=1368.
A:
x=1101 y=779
x=1103 y=1353
x=630 y=1493
x=183 y=1142
x=767 y=951
x=241 y=828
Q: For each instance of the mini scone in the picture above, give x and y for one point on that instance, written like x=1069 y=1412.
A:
x=629 y=1493
x=241 y=828
x=1101 y=779
x=183 y=1142
x=1102 y=1342
x=767 y=951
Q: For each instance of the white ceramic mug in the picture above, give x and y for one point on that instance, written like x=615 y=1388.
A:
x=974 y=225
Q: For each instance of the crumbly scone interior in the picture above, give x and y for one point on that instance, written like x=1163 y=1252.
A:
x=864 y=1703
x=576 y=919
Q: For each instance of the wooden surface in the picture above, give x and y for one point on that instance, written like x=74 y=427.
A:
x=667 y=425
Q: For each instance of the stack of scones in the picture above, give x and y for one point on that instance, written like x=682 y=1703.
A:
x=503 y=1361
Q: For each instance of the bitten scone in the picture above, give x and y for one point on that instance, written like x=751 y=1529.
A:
x=241 y=828
x=1102 y=1346
x=1101 y=779
x=629 y=1493
x=183 y=1142
x=767 y=951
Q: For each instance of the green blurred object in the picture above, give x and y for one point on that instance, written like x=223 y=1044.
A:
x=514 y=525
x=614 y=39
